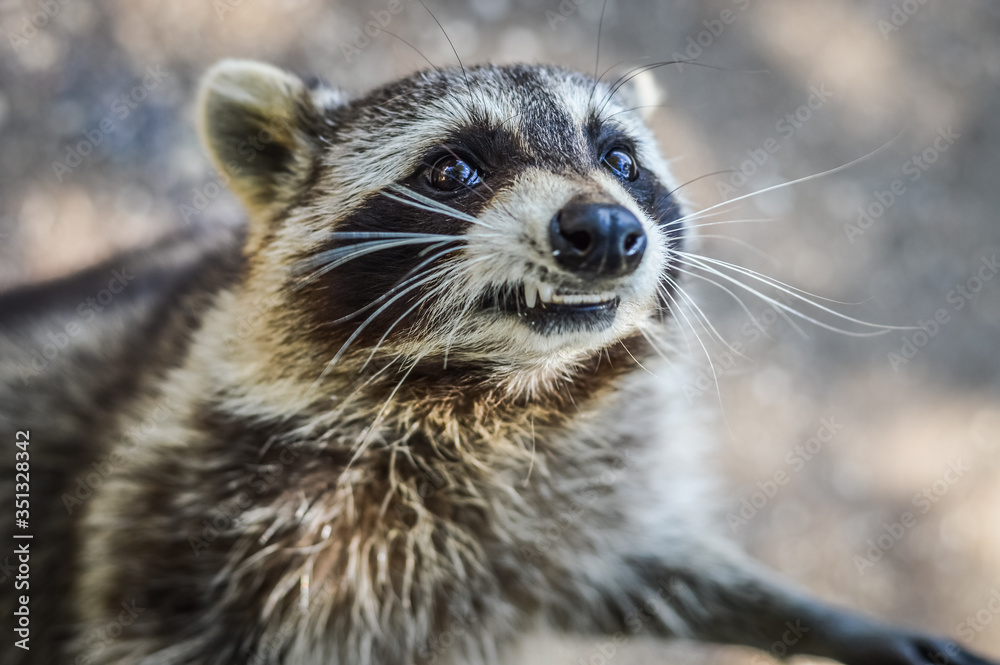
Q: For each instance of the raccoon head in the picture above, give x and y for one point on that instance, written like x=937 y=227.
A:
x=513 y=220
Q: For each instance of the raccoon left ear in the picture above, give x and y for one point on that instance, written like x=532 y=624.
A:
x=645 y=93
x=261 y=126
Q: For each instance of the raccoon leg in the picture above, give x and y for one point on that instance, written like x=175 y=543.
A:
x=719 y=595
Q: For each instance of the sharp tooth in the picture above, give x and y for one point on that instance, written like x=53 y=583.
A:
x=581 y=298
x=545 y=292
x=530 y=292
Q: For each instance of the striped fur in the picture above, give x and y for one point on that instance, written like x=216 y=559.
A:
x=321 y=451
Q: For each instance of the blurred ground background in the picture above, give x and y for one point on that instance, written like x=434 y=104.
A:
x=872 y=70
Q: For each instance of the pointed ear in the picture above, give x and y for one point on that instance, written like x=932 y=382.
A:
x=260 y=125
x=645 y=93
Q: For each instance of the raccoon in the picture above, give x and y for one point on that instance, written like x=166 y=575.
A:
x=429 y=400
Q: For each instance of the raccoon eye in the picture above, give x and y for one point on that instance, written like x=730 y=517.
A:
x=621 y=163
x=451 y=173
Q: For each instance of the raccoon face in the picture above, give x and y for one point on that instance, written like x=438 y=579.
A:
x=516 y=215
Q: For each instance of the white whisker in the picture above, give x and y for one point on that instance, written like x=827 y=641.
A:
x=735 y=297
x=697 y=337
x=747 y=220
x=460 y=319
x=792 y=291
x=791 y=310
x=362 y=445
x=708 y=324
x=412 y=274
x=334 y=258
x=357 y=332
x=643 y=367
x=418 y=200
x=420 y=301
x=797 y=181
x=744 y=244
x=361 y=235
x=773 y=281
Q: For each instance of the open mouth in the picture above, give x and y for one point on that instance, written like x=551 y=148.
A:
x=548 y=310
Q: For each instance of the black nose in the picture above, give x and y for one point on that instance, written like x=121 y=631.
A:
x=597 y=239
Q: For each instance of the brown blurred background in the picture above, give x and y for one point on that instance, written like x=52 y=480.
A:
x=853 y=75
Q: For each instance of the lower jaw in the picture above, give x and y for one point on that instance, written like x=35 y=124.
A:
x=552 y=319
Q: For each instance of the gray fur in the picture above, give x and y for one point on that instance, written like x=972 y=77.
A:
x=429 y=498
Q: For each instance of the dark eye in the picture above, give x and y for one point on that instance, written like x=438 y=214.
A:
x=451 y=173
x=621 y=163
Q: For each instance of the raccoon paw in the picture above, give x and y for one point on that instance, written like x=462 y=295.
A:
x=908 y=649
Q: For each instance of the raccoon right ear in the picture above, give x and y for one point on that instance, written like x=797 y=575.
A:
x=260 y=125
